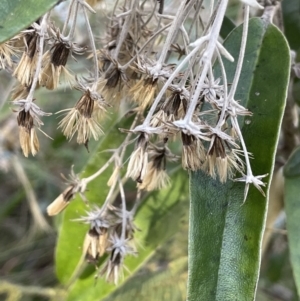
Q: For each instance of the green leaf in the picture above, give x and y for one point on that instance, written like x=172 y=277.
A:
x=291 y=21
x=227 y=27
x=157 y=285
x=158 y=218
x=292 y=209
x=16 y=15
x=225 y=237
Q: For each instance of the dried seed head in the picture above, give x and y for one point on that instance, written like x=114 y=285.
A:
x=156 y=176
x=114 y=83
x=137 y=166
x=221 y=160
x=143 y=92
x=54 y=62
x=24 y=72
x=98 y=219
x=20 y=92
x=28 y=118
x=175 y=106
x=28 y=138
x=171 y=109
x=95 y=244
x=50 y=75
x=181 y=50
x=113 y=269
x=7 y=51
x=193 y=154
x=61 y=202
x=75 y=185
x=83 y=118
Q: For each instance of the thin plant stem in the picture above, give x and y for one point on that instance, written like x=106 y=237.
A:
x=108 y=199
x=241 y=54
x=124 y=67
x=137 y=202
x=206 y=58
x=68 y=17
x=240 y=135
x=74 y=21
x=170 y=79
x=92 y=42
x=40 y=57
x=224 y=77
x=125 y=29
x=122 y=149
x=124 y=213
x=100 y=171
x=178 y=19
x=197 y=10
x=40 y=221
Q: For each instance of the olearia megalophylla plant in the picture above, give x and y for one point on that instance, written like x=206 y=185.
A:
x=181 y=101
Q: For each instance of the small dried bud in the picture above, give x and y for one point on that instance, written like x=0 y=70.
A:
x=28 y=117
x=28 y=138
x=156 y=176
x=95 y=244
x=24 y=72
x=222 y=160
x=61 y=202
x=75 y=185
x=193 y=154
x=55 y=62
x=137 y=166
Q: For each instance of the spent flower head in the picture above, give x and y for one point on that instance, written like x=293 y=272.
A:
x=84 y=118
x=75 y=185
x=119 y=249
x=55 y=60
x=29 y=118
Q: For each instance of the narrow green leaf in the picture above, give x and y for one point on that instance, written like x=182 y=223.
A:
x=158 y=218
x=16 y=15
x=225 y=237
x=292 y=209
x=291 y=21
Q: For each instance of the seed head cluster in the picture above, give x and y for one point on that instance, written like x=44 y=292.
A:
x=150 y=63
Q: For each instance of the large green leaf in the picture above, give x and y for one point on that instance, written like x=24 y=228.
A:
x=225 y=237
x=292 y=209
x=16 y=15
